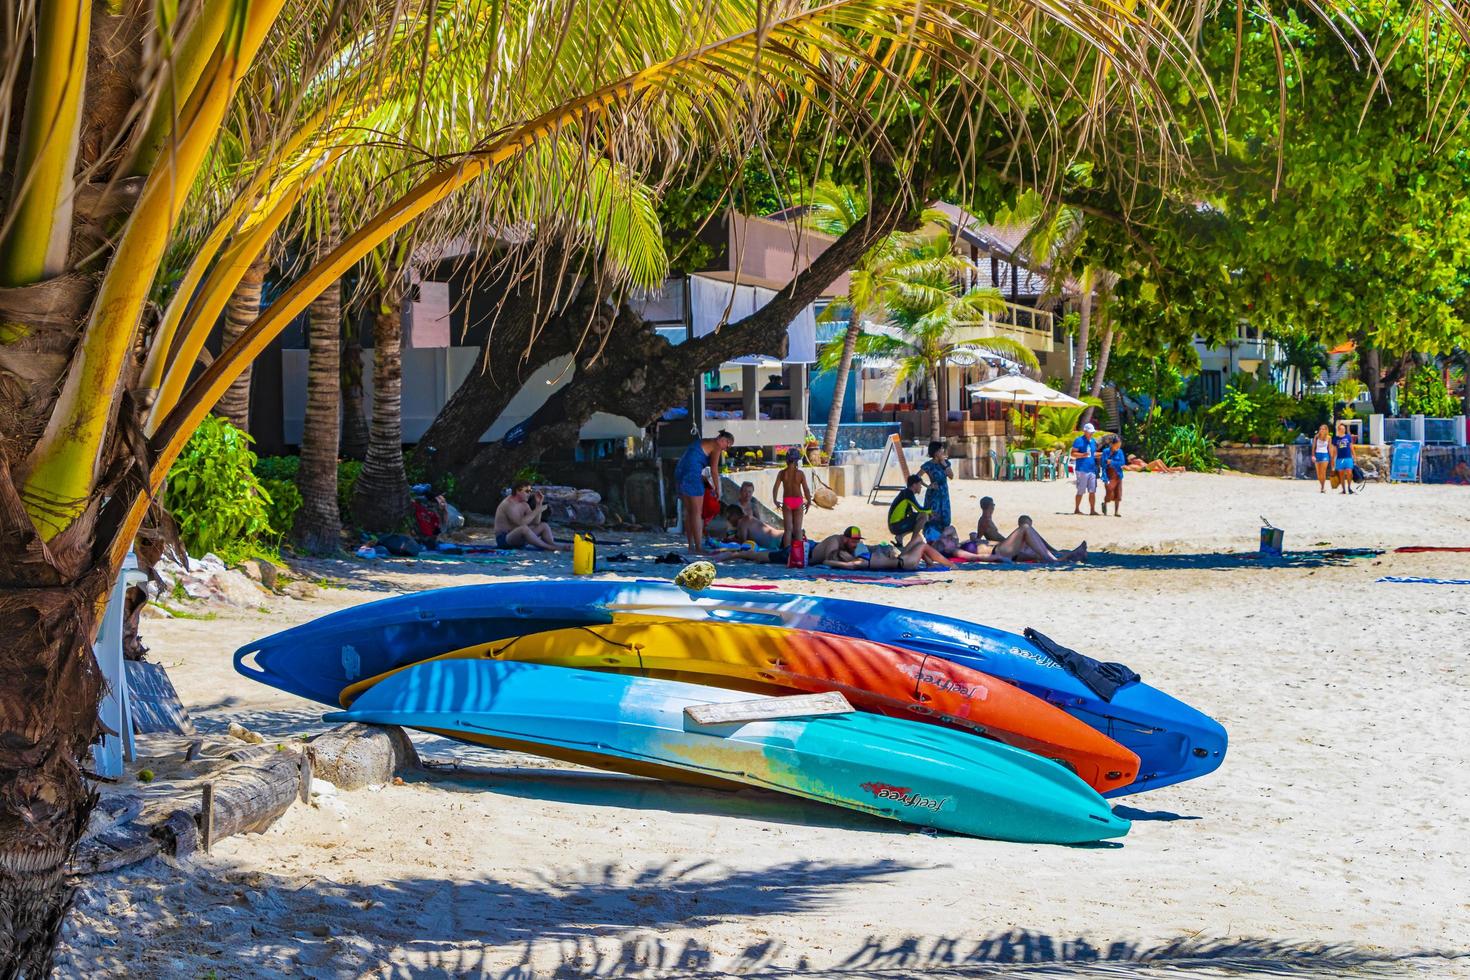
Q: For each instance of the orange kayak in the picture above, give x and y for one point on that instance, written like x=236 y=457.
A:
x=874 y=677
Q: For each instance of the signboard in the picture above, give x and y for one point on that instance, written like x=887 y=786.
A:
x=1405 y=465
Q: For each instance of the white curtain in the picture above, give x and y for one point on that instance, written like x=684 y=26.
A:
x=714 y=303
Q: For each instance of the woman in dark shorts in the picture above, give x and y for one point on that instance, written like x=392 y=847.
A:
x=1342 y=457
x=690 y=483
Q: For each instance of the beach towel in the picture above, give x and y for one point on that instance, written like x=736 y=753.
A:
x=891 y=581
x=1416 y=580
x=1103 y=678
x=1420 y=549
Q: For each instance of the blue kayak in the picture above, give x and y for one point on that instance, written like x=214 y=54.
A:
x=316 y=660
x=909 y=771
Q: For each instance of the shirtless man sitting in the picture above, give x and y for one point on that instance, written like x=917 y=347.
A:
x=518 y=522
x=985 y=529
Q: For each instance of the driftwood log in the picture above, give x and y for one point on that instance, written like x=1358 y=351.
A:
x=354 y=756
x=248 y=797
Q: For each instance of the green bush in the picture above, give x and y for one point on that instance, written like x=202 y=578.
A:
x=1251 y=411
x=278 y=474
x=1310 y=412
x=278 y=467
x=215 y=497
x=285 y=501
x=348 y=471
x=1189 y=446
x=1425 y=394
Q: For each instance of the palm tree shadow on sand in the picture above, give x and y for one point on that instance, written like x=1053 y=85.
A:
x=619 y=921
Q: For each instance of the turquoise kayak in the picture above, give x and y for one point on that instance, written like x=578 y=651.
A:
x=908 y=771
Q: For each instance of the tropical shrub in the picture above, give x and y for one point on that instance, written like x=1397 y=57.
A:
x=1310 y=412
x=1425 y=394
x=1188 y=446
x=1251 y=411
x=279 y=472
x=285 y=501
x=348 y=470
x=216 y=498
x=1054 y=427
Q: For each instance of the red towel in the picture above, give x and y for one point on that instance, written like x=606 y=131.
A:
x=1416 y=549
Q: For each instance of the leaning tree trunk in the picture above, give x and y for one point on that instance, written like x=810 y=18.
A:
x=839 y=389
x=318 y=527
x=1104 y=349
x=380 y=499
x=637 y=374
x=1084 y=325
x=240 y=311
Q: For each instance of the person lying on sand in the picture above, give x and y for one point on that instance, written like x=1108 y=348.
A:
x=839 y=550
x=888 y=558
x=743 y=528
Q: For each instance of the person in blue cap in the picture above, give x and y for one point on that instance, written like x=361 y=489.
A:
x=1084 y=460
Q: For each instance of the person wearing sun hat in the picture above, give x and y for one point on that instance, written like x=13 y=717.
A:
x=1084 y=459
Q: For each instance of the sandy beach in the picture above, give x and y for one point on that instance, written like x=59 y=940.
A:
x=1334 y=841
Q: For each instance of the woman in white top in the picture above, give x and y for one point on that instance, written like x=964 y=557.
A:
x=1322 y=454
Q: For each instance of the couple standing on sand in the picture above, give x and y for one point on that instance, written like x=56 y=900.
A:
x=1093 y=462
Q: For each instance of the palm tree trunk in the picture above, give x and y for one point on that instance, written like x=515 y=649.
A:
x=1104 y=349
x=318 y=527
x=240 y=311
x=1084 y=325
x=354 y=420
x=380 y=499
x=931 y=382
x=839 y=388
x=1465 y=394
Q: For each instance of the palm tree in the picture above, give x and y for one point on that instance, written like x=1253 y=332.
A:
x=926 y=319
x=318 y=525
x=241 y=310
x=380 y=498
x=1302 y=355
x=105 y=339
x=833 y=210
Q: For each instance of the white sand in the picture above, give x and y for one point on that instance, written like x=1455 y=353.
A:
x=1341 y=815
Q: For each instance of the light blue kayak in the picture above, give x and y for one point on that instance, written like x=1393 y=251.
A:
x=316 y=660
x=919 y=774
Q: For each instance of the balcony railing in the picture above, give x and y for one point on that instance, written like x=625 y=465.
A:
x=1024 y=324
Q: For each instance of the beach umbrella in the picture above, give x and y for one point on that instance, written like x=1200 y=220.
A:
x=1021 y=390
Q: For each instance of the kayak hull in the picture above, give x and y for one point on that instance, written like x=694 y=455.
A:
x=873 y=677
x=920 y=774
x=317 y=660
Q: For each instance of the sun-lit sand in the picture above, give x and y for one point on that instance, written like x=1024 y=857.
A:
x=1339 y=823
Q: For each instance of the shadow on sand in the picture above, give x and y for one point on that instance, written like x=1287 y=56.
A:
x=608 y=920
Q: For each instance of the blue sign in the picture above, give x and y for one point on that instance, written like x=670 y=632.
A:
x=1405 y=466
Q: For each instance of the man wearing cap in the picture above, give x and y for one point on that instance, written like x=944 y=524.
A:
x=845 y=550
x=1084 y=459
x=905 y=515
x=792 y=496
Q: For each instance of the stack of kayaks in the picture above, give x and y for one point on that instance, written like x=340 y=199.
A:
x=958 y=726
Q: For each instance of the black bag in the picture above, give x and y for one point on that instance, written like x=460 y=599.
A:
x=401 y=545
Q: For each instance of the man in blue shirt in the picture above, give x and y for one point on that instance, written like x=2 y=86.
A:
x=1084 y=459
